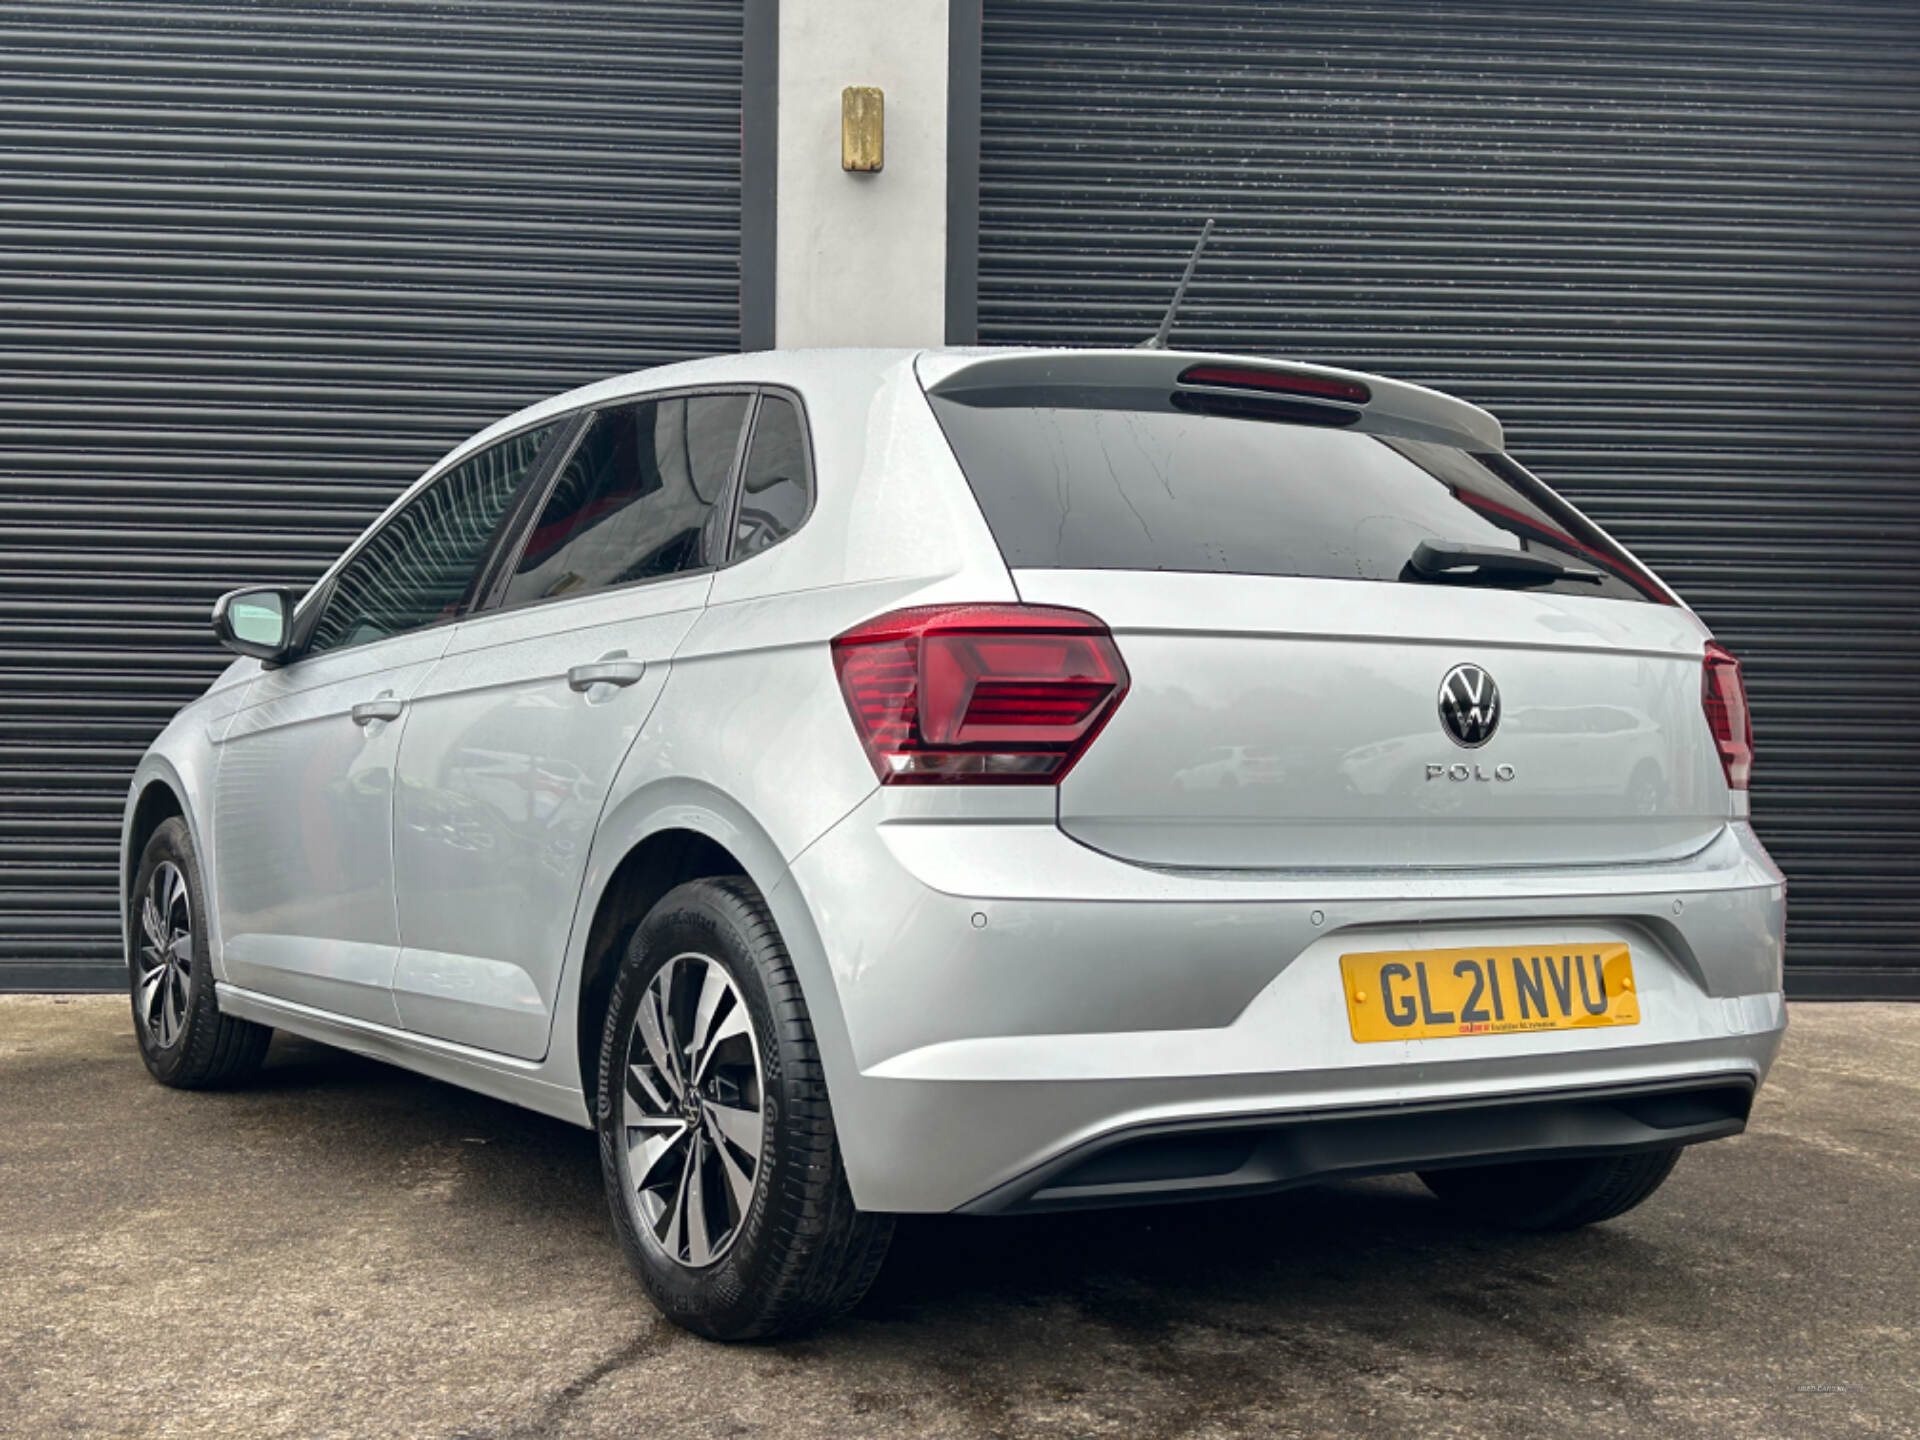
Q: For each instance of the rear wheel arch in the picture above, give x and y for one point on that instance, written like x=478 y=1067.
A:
x=655 y=865
x=682 y=811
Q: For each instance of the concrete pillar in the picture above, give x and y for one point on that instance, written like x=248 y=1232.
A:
x=861 y=259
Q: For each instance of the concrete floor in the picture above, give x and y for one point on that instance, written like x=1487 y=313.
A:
x=345 y=1249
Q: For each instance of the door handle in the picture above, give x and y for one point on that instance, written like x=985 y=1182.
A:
x=384 y=708
x=614 y=669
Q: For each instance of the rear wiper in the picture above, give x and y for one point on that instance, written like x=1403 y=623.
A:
x=1456 y=560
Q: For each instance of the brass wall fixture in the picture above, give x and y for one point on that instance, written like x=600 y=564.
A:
x=862 y=128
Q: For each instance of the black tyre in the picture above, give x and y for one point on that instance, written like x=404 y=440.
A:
x=717 y=1141
x=183 y=1037
x=1553 y=1194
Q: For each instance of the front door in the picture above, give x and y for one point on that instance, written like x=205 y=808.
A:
x=513 y=742
x=303 y=794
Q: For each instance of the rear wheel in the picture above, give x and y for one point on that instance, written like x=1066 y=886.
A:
x=717 y=1142
x=1553 y=1194
x=184 y=1039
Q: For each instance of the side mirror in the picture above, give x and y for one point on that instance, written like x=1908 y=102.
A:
x=257 y=622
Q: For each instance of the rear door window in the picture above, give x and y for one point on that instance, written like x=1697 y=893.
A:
x=641 y=497
x=1085 y=487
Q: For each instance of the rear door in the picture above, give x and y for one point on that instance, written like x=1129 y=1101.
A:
x=514 y=739
x=1303 y=695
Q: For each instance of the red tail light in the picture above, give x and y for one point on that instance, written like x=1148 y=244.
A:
x=1724 y=696
x=979 y=694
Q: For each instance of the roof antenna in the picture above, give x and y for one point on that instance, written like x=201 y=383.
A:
x=1158 y=341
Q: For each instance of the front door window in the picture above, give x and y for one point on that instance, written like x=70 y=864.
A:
x=419 y=568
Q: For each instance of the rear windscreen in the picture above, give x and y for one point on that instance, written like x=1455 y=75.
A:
x=1079 y=487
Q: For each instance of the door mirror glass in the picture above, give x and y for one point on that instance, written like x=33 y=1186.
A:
x=259 y=619
x=255 y=622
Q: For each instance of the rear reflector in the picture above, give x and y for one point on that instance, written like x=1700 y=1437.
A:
x=1277 y=382
x=1724 y=696
x=978 y=694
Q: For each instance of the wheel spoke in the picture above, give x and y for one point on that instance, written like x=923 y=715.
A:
x=666 y=986
x=740 y=1125
x=658 y=1050
x=676 y=1215
x=150 y=922
x=653 y=1122
x=176 y=889
x=699 y=1246
x=646 y=1150
x=738 y=1181
x=637 y=1074
x=182 y=948
x=171 y=1011
x=736 y=1023
x=150 y=991
x=713 y=989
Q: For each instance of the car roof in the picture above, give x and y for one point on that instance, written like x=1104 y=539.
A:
x=954 y=369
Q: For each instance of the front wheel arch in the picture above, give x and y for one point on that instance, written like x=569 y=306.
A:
x=158 y=802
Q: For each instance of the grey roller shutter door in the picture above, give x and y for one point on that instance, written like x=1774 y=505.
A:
x=260 y=265
x=1673 y=244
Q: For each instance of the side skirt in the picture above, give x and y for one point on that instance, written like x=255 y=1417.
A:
x=518 y=1082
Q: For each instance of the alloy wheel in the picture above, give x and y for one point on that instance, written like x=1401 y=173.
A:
x=691 y=1110
x=165 y=960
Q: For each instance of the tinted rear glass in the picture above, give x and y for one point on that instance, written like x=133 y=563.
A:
x=1087 y=488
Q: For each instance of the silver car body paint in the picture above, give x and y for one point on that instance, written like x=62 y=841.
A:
x=995 y=975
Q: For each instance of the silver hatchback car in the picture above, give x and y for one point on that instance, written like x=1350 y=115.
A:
x=866 y=782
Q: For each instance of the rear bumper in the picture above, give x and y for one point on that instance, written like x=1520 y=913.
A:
x=1017 y=1005
x=1193 y=1160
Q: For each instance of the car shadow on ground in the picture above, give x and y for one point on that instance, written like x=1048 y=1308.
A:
x=1360 y=1250
x=1314 y=1248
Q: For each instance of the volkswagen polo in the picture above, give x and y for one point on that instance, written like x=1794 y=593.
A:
x=985 y=781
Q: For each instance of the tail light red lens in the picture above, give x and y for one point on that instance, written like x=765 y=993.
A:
x=979 y=694
x=1724 y=695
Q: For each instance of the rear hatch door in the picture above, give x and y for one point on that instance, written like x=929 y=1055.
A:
x=1311 y=688
x=1297 y=723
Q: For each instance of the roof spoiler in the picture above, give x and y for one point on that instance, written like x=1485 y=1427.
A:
x=1222 y=384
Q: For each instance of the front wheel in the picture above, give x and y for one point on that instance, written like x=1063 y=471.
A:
x=722 y=1167
x=1553 y=1194
x=184 y=1039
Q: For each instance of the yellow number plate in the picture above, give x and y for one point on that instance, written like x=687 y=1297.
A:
x=1428 y=994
